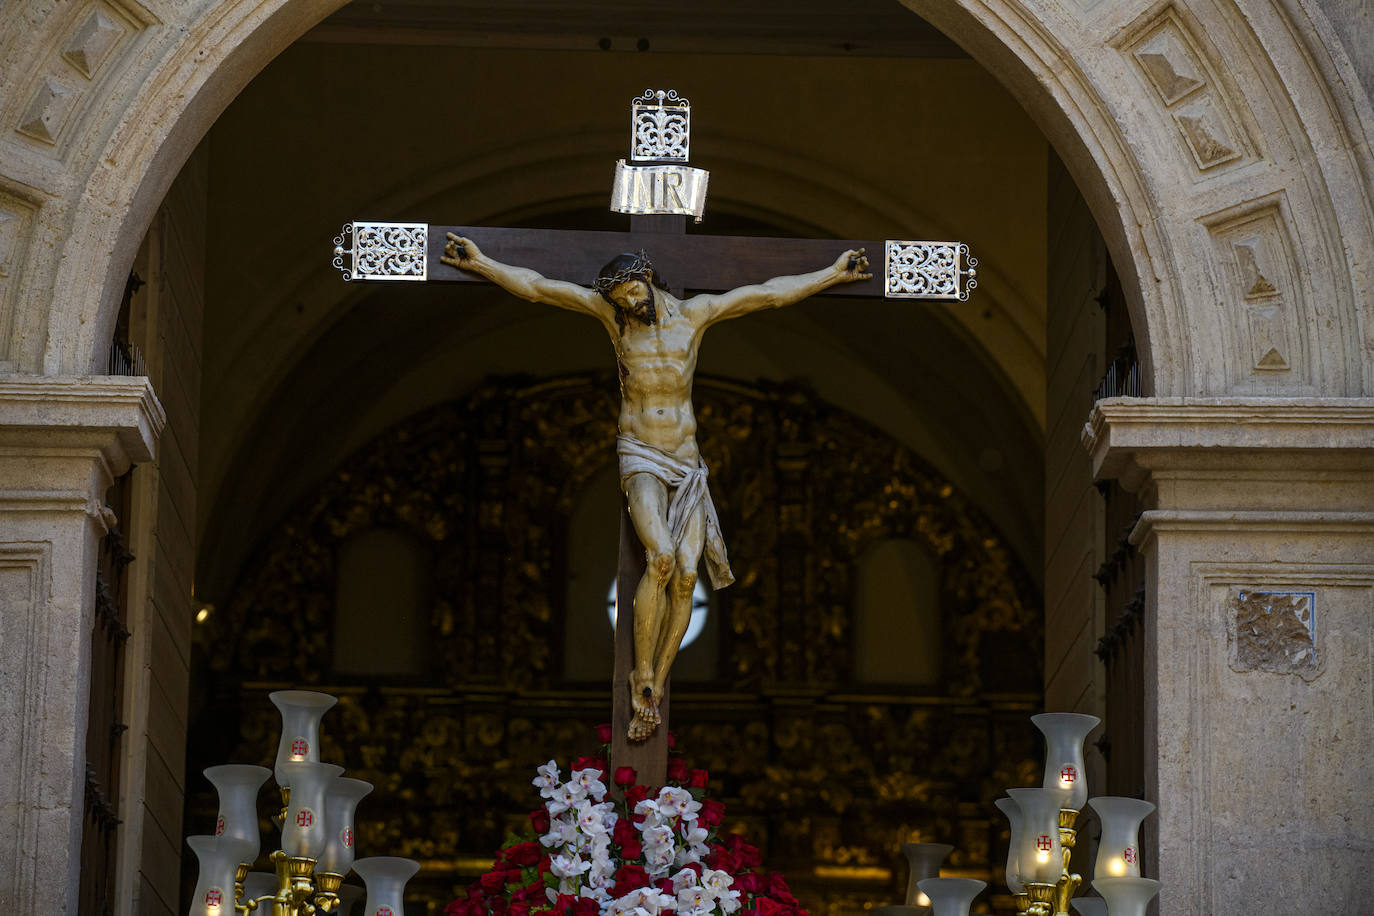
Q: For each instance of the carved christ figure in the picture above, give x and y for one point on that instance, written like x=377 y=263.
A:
x=656 y=338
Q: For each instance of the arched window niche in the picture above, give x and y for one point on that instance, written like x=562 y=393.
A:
x=896 y=620
x=381 y=617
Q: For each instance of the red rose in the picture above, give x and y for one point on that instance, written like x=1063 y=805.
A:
x=697 y=779
x=522 y=854
x=777 y=887
x=518 y=909
x=540 y=821
x=591 y=763
x=748 y=883
x=677 y=769
x=623 y=832
x=635 y=794
x=696 y=867
x=625 y=777
x=712 y=812
x=721 y=858
x=672 y=741
x=544 y=865
x=561 y=904
x=749 y=856
x=629 y=878
x=493 y=881
x=665 y=885
x=499 y=906
x=603 y=733
x=631 y=850
x=530 y=893
x=585 y=906
x=769 y=907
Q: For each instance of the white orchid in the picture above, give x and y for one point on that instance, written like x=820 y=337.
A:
x=589 y=780
x=675 y=802
x=547 y=780
x=564 y=797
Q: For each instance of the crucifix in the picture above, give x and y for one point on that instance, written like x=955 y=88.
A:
x=668 y=520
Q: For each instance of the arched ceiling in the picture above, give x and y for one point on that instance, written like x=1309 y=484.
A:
x=300 y=368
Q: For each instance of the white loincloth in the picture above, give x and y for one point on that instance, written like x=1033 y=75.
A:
x=688 y=487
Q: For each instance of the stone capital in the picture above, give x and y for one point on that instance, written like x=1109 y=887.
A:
x=1280 y=457
x=63 y=441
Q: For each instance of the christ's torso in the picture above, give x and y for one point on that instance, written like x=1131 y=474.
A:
x=656 y=366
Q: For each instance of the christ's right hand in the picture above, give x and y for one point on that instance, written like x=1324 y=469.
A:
x=460 y=252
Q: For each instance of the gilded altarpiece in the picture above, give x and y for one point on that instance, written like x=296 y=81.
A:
x=828 y=774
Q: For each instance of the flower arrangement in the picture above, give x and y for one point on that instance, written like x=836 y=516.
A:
x=659 y=851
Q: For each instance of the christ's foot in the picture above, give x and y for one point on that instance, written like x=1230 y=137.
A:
x=643 y=725
x=646 y=718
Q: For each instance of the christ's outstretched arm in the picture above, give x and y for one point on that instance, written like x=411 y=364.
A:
x=708 y=308
x=528 y=284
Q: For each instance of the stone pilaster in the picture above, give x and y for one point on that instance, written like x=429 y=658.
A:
x=63 y=441
x=1258 y=536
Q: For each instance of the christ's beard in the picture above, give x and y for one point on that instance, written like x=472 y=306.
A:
x=645 y=312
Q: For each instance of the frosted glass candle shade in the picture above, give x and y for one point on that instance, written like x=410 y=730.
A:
x=304 y=832
x=951 y=896
x=340 y=804
x=1012 y=810
x=238 y=786
x=1126 y=896
x=260 y=884
x=924 y=860
x=219 y=858
x=1118 y=852
x=301 y=712
x=1089 y=906
x=1064 y=734
x=350 y=895
x=1040 y=856
x=385 y=878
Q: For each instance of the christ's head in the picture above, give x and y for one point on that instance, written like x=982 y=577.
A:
x=627 y=282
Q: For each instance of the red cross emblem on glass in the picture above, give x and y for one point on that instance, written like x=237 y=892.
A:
x=300 y=747
x=1130 y=855
x=347 y=836
x=219 y=826
x=305 y=818
x=213 y=897
x=1043 y=842
x=383 y=910
x=1069 y=773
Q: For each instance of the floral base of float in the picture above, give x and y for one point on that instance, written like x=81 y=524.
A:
x=655 y=850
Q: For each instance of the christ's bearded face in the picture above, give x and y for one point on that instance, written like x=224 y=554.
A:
x=635 y=298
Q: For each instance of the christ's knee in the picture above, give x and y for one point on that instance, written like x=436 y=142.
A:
x=661 y=564
x=684 y=583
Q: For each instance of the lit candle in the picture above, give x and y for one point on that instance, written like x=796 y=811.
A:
x=1126 y=896
x=301 y=712
x=951 y=896
x=1064 y=734
x=385 y=878
x=1118 y=851
x=238 y=786
x=219 y=858
x=924 y=860
x=304 y=833
x=1041 y=857
x=1012 y=810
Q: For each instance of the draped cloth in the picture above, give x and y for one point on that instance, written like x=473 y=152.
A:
x=687 y=484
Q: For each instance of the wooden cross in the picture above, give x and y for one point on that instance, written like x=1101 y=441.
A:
x=412 y=251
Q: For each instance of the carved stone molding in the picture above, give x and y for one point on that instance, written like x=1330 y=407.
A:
x=98 y=35
x=1253 y=249
x=1175 y=63
x=118 y=417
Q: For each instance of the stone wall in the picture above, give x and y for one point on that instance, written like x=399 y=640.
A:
x=166 y=326
x=1074 y=539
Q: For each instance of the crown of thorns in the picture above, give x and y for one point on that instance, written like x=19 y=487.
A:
x=635 y=271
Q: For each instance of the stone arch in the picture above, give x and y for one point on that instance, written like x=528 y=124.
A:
x=1189 y=129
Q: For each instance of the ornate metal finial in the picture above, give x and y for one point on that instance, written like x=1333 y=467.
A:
x=928 y=270
x=660 y=127
x=382 y=251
